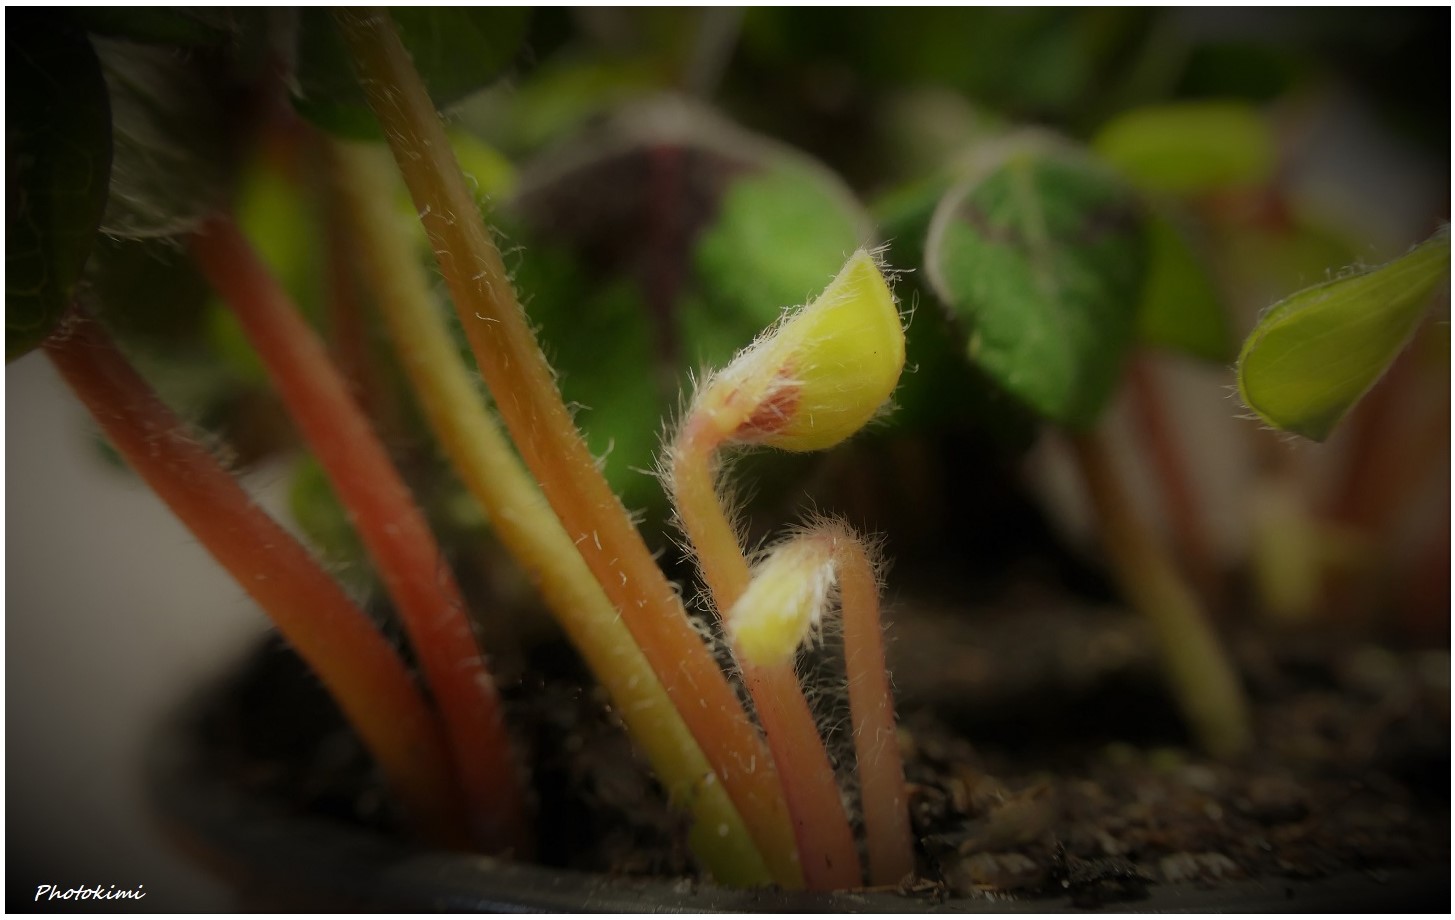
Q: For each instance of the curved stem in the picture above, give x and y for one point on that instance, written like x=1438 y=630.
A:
x=519 y=515
x=821 y=827
x=531 y=407
x=391 y=526
x=340 y=644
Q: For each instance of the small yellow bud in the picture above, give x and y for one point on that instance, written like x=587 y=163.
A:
x=784 y=601
x=818 y=376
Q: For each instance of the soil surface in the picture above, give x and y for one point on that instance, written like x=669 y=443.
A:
x=1043 y=755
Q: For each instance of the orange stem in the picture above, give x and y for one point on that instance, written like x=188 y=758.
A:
x=339 y=643
x=524 y=388
x=815 y=808
x=871 y=708
x=392 y=528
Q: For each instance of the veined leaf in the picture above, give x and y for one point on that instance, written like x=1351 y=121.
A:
x=1316 y=353
x=1042 y=253
x=58 y=156
x=1189 y=146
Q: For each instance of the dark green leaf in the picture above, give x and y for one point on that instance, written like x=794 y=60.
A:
x=1042 y=254
x=1315 y=354
x=934 y=360
x=1189 y=146
x=457 y=51
x=1181 y=307
x=58 y=156
x=147 y=291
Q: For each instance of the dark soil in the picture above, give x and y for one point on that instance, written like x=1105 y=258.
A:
x=1043 y=757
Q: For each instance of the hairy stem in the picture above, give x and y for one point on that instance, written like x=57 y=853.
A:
x=391 y=526
x=821 y=827
x=871 y=709
x=530 y=405
x=1203 y=680
x=354 y=661
x=483 y=458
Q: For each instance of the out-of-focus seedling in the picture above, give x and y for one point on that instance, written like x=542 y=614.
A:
x=1042 y=251
x=1316 y=353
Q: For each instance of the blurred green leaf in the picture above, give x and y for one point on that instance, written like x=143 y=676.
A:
x=1042 y=254
x=491 y=175
x=598 y=333
x=1181 y=307
x=1188 y=147
x=1316 y=353
x=457 y=51
x=58 y=157
x=278 y=211
x=1022 y=60
x=558 y=98
x=147 y=291
x=778 y=237
x=325 y=524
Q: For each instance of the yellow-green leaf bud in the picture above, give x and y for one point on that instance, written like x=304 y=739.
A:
x=784 y=602
x=816 y=377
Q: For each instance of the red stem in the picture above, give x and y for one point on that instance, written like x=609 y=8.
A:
x=392 y=528
x=1179 y=496
x=343 y=647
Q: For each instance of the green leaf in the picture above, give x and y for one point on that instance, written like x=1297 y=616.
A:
x=934 y=359
x=1316 y=353
x=599 y=336
x=457 y=51
x=58 y=156
x=325 y=523
x=147 y=291
x=1189 y=147
x=1041 y=252
x=563 y=94
x=1181 y=307
x=779 y=236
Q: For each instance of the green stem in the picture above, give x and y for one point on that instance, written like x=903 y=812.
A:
x=341 y=645
x=392 y=528
x=1202 y=677
x=484 y=461
x=530 y=405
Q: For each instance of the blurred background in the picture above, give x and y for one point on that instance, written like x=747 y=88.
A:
x=666 y=180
